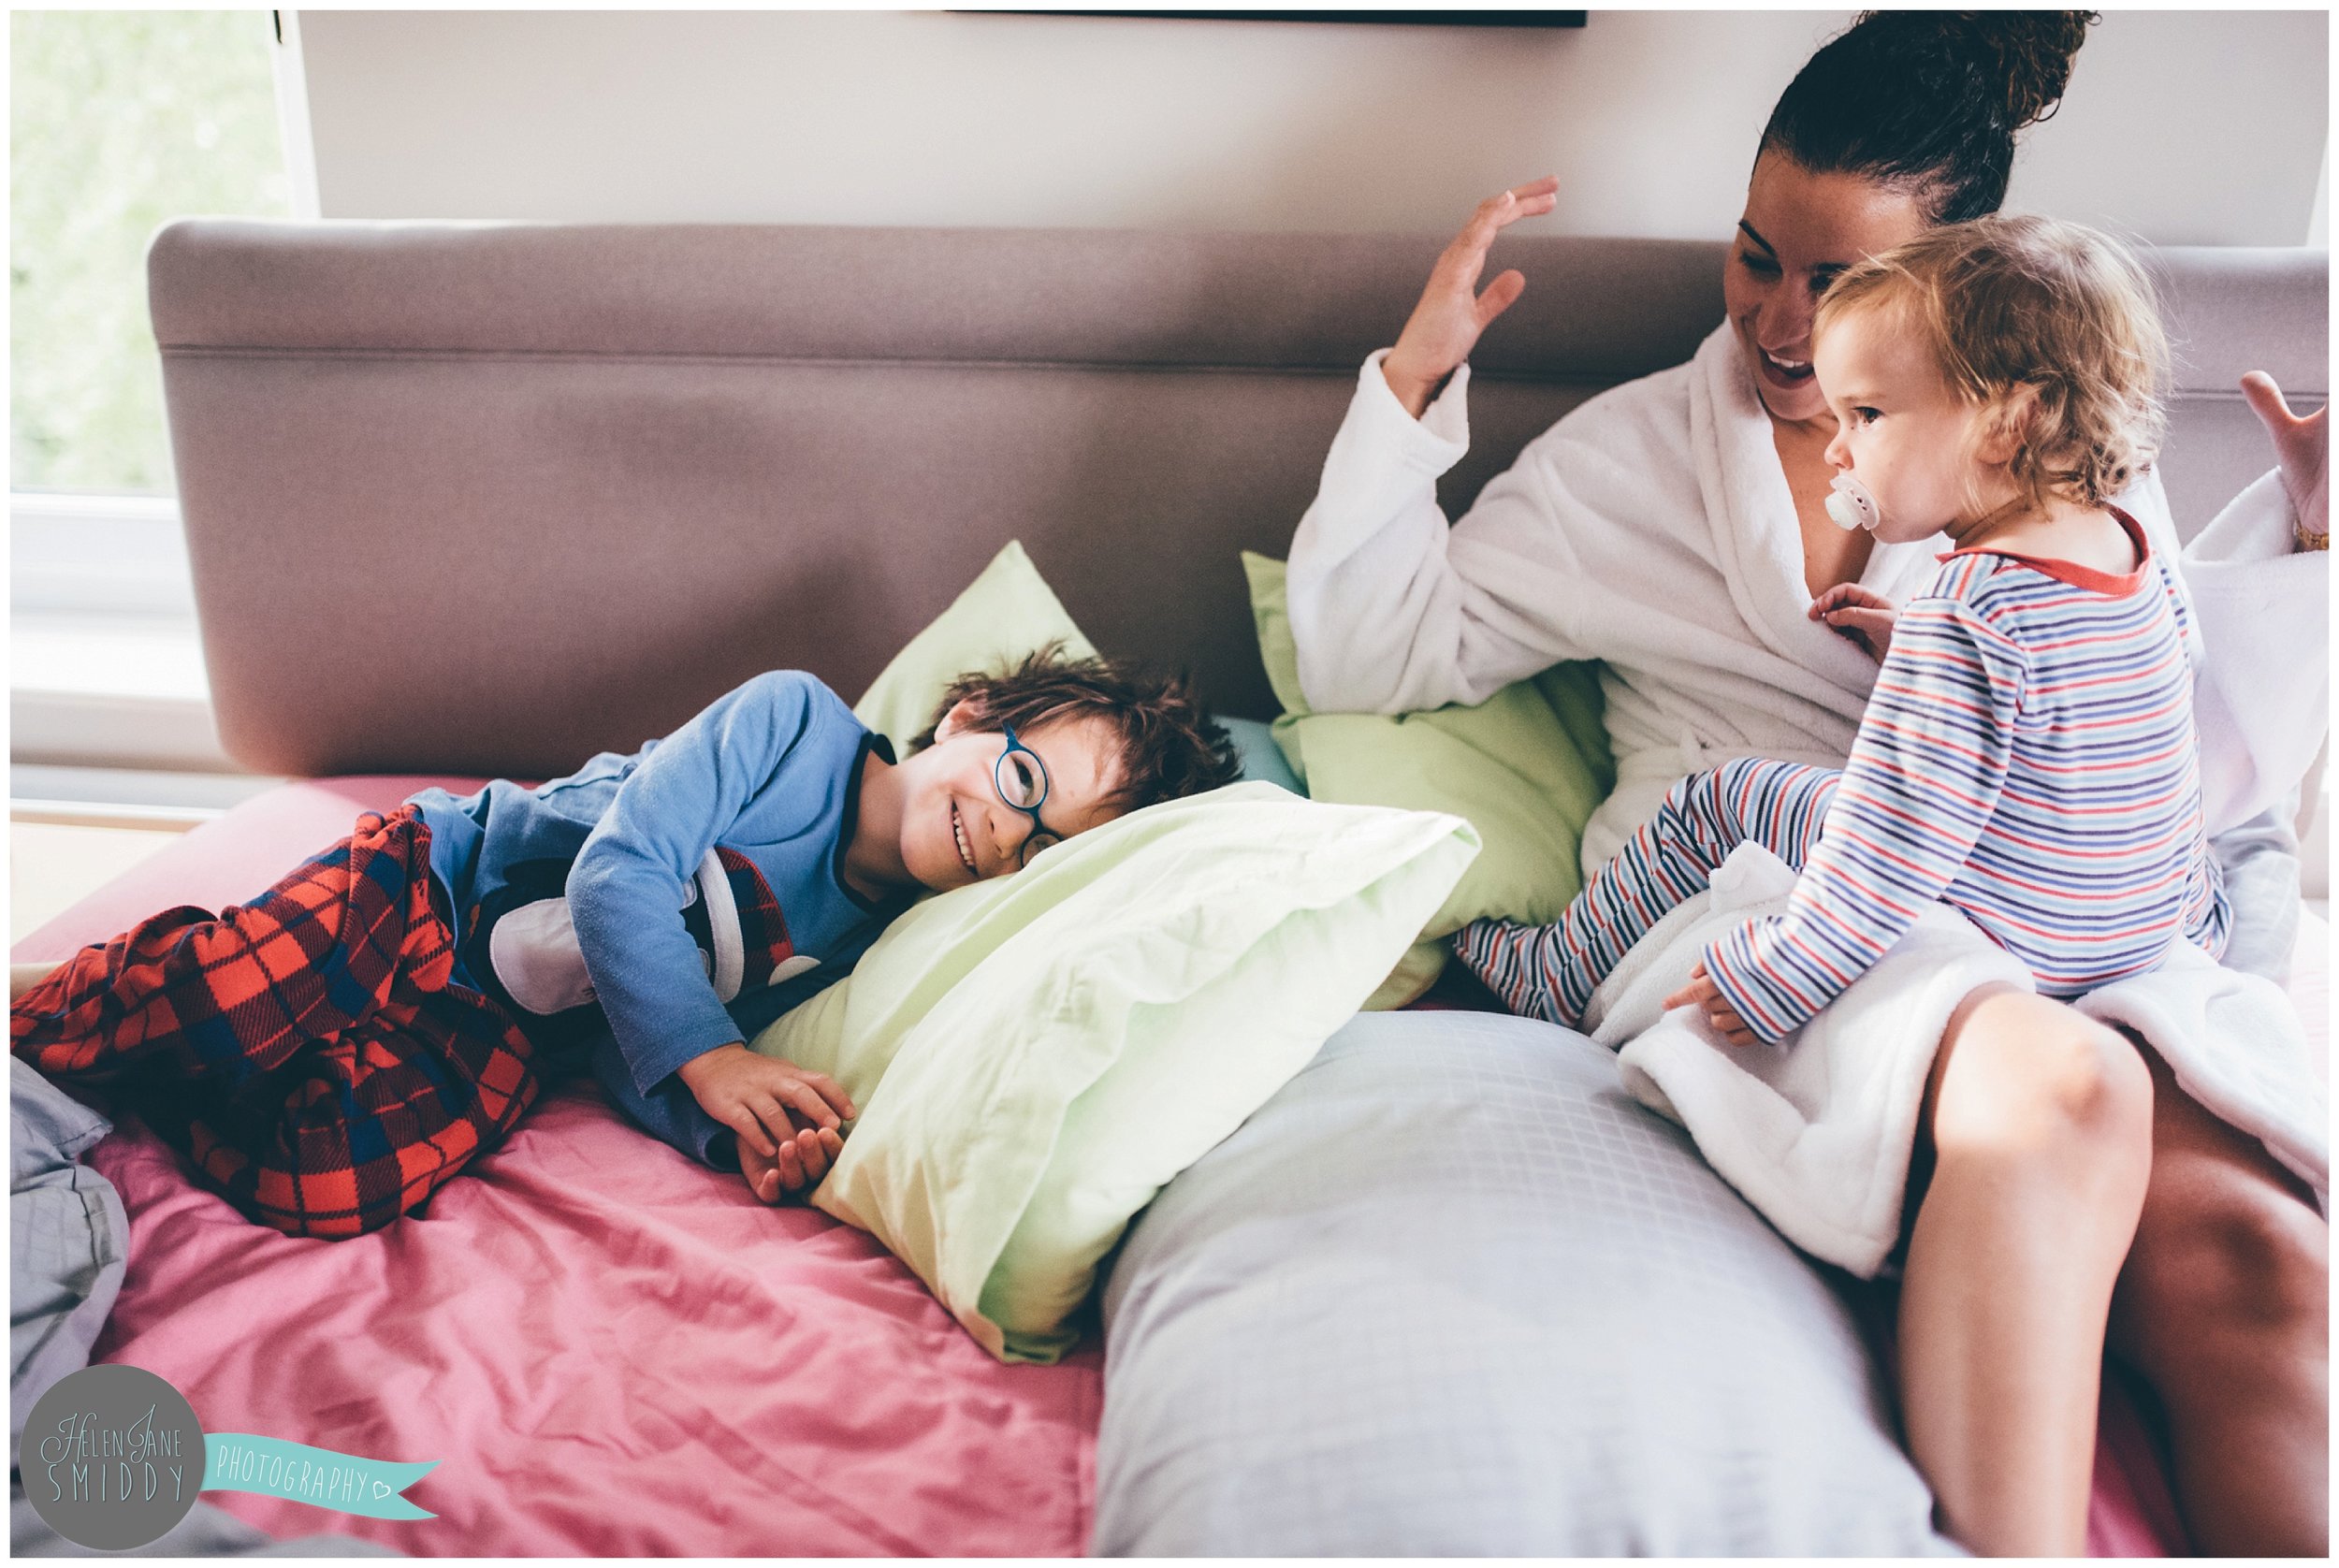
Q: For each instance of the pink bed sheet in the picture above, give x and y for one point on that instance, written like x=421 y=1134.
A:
x=609 y=1349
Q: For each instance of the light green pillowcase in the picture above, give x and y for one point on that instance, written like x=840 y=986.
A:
x=1526 y=768
x=1034 y=1056
x=1005 y=613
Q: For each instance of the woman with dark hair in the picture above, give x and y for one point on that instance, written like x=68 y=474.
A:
x=2065 y=1190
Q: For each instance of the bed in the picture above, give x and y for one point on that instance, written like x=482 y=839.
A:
x=517 y=493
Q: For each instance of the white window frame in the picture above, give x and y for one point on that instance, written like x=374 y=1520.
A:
x=292 y=117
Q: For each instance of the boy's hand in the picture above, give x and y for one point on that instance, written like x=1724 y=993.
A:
x=1864 y=617
x=754 y=1096
x=1702 y=994
x=801 y=1163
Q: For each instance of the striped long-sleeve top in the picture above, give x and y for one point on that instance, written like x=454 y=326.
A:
x=2029 y=757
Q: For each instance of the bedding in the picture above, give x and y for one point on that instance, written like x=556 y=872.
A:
x=1526 y=767
x=1007 y=612
x=1601 y=1350
x=1296 y=1283
x=70 y=1242
x=591 y=1317
x=67 y=1238
x=1818 y=1135
x=1033 y=1057
x=747 y=447
x=1262 y=759
x=188 y=1312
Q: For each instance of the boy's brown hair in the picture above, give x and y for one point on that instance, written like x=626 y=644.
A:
x=2052 y=322
x=1169 y=749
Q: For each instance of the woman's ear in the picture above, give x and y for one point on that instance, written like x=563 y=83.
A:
x=964 y=714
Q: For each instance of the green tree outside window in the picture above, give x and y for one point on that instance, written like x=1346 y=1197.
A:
x=119 y=122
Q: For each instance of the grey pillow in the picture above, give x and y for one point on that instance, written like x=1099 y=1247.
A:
x=1451 y=1292
x=68 y=1240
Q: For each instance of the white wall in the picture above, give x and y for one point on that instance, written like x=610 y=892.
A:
x=2179 y=127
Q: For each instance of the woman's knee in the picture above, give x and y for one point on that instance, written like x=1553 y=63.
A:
x=2028 y=1080
x=2219 y=1247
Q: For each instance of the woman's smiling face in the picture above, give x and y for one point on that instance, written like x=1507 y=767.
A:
x=1798 y=231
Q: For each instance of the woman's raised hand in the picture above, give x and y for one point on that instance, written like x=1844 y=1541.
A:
x=2302 y=451
x=1445 y=326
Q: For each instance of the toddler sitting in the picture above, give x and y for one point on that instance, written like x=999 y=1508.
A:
x=330 y=1053
x=2027 y=754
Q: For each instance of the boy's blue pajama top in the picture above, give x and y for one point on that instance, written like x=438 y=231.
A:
x=688 y=893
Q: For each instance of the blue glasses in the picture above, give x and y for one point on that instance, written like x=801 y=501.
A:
x=1022 y=779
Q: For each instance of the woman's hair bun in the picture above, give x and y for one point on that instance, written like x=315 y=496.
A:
x=1929 y=100
x=2027 y=55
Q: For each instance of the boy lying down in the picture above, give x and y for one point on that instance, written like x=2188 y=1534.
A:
x=330 y=1053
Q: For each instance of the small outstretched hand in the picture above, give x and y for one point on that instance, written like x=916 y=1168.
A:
x=1864 y=617
x=2302 y=451
x=1704 y=994
x=789 y=1120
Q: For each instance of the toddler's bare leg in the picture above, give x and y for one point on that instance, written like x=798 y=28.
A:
x=2223 y=1307
x=2039 y=1127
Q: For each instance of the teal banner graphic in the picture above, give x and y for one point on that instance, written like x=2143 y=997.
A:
x=239 y=1462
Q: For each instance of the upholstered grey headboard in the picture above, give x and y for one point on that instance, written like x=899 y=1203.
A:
x=488 y=497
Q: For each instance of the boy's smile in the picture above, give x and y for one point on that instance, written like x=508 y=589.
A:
x=937 y=819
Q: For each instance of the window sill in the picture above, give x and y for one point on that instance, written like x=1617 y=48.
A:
x=109 y=704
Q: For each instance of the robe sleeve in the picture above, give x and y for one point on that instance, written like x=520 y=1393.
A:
x=1388 y=619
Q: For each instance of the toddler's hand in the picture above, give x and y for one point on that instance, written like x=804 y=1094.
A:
x=762 y=1098
x=1702 y=994
x=801 y=1163
x=1853 y=612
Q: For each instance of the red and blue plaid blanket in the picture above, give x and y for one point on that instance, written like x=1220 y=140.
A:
x=307 y=1050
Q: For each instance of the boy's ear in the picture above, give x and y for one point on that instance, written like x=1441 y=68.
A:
x=964 y=714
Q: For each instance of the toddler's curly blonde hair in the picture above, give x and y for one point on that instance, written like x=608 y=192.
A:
x=2052 y=325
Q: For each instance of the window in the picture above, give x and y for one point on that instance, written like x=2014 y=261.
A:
x=119 y=121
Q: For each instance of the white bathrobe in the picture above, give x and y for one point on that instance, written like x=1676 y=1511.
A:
x=1653 y=530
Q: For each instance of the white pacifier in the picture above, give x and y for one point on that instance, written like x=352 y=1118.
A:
x=1850 y=506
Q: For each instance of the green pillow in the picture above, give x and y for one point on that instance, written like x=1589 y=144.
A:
x=1526 y=767
x=1034 y=1056
x=1004 y=613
